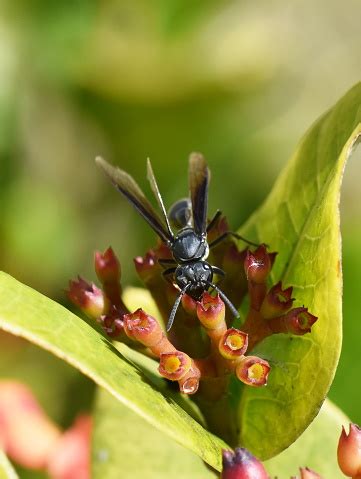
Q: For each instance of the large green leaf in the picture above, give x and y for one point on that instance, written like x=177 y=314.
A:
x=316 y=448
x=29 y=314
x=300 y=220
x=6 y=469
x=126 y=446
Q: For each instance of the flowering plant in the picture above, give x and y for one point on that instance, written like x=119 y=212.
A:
x=212 y=359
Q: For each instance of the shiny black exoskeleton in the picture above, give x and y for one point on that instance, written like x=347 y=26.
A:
x=195 y=276
x=188 y=268
x=188 y=246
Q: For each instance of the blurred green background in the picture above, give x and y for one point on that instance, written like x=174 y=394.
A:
x=240 y=81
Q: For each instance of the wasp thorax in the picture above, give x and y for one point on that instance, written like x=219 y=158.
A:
x=188 y=246
x=195 y=276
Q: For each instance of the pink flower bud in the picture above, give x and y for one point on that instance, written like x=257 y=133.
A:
x=28 y=435
x=242 y=465
x=211 y=311
x=174 y=365
x=70 y=458
x=233 y=343
x=87 y=297
x=143 y=328
x=349 y=452
x=277 y=301
x=107 y=266
x=253 y=371
x=257 y=265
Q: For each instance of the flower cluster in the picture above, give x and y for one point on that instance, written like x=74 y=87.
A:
x=203 y=344
x=271 y=309
x=104 y=305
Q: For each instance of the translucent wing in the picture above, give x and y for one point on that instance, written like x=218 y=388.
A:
x=129 y=188
x=199 y=177
x=155 y=189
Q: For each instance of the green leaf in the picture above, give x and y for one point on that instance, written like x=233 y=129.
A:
x=6 y=469
x=316 y=448
x=300 y=220
x=123 y=442
x=126 y=446
x=27 y=313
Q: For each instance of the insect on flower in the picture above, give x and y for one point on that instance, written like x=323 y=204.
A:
x=188 y=269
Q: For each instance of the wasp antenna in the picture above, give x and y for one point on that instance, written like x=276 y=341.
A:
x=225 y=299
x=175 y=307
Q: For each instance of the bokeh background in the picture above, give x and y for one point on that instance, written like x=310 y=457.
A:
x=240 y=81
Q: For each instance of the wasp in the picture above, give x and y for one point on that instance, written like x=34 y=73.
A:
x=188 y=269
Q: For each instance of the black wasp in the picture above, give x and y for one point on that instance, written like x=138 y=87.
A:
x=189 y=268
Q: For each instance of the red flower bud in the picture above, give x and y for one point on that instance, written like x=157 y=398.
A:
x=257 y=265
x=113 y=325
x=297 y=321
x=307 y=473
x=147 y=266
x=211 y=311
x=277 y=301
x=107 y=266
x=242 y=465
x=174 y=365
x=143 y=327
x=349 y=452
x=233 y=343
x=87 y=297
x=253 y=371
x=189 y=305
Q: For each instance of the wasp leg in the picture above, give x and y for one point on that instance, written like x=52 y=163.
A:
x=218 y=271
x=166 y=262
x=226 y=235
x=166 y=274
x=225 y=299
x=213 y=220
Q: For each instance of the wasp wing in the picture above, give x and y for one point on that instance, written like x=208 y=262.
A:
x=155 y=189
x=130 y=189
x=199 y=177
